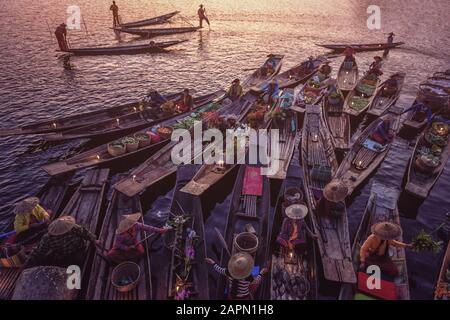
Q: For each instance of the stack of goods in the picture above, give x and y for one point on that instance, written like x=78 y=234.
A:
x=428 y=156
x=368 y=85
x=334 y=98
x=256 y=117
x=358 y=103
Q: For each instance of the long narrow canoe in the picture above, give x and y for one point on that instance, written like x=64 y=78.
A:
x=384 y=99
x=114 y=127
x=79 y=120
x=365 y=155
x=261 y=76
x=440 y=81
x=348 y=74
x=150 y=33
x=152 y=21
x=248 y=210
x=295 y=75
x=338 y=122
x=317 y=153
x=420 y=181
x=51 y=198
x=382 y=206
x=175 y=278
x=293 y=275
x=443 y=284
x=309 y=93
x=361 y=47
x=100 y=286
x=118 y=50
x=359 y=99
x=160 y=165
x=85 y=206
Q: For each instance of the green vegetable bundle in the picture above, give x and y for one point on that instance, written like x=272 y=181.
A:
x=358 y=103
x=424 y=242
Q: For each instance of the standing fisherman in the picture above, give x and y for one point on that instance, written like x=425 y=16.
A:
x=61 y=36
x=202 y=15
x=115 y=10
x=390 y=39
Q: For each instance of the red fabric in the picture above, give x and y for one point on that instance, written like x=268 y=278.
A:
x=253 y=182
x=387 y=291
x=119 y=256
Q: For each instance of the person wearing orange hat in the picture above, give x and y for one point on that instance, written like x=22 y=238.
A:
x=241 y=283
x=126 y=244
x=375 y=250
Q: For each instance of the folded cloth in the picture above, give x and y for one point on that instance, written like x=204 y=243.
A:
x=373 y=145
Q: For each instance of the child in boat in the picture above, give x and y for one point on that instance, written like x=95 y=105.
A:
x=375 y=250
x=382 y=133
x=332 y=202
x=31 y=221
x=187 y=102
x=241 y=284
x=64 y=244
x=235 y=91
x=126 y=243
x=293 y=230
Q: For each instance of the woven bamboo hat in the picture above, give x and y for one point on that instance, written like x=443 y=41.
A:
x=240 y=265
x=296 y=211
x=26 y=205
x=335 y=191
x=129 y=221
x=61 y=225
x=386 y=230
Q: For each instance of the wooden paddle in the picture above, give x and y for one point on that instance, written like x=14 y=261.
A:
x=222 y=241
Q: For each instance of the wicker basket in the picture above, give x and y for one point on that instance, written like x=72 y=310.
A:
x=130 y=143
x=116 y=149
x=164 y=132
x=125 y=271
x=14 y=260
x=143 y=139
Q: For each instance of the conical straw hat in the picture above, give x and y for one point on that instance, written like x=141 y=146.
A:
x=386 y=230
x=129 y=221
x=61 y=226
x=26 y=205
x=296 y=211
x=335 y=191
x=240 y=265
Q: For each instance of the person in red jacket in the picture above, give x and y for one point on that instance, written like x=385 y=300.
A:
x=61 y=36
x=202 y=15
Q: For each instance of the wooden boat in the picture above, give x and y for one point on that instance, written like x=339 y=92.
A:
x=100 y=286
x=118 y=50
x=338 y=122
x=318 y=156
x=366 y=155
x=347 y=77
x=114 y=127
x=295 y=75
x=288 y=139
x=262 y=76
x=417 y=119
x=80 y=120
x=150 y=33
x=85 y=206
x=360 y=98
x=51 y=198
x=382 y=206
x=248 y=212
x=440 y=81
x=185 y=216
x=160 y=165
x=384 y=98
x=420 y=179
x=100 y=156
x=299 y=267
x=442 y=285
x=152 y=21
x=442 y=74
x=361 y=47
x=309 y=93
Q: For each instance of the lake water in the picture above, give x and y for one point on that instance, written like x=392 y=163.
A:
x=34 y=85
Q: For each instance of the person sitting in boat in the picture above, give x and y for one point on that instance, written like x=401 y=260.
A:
x=64 y=244
x=269 y=66
x=383 y=132
x=115 y=11
x=186 y=103
x=390 y=39
x=421 y=110
x=349 y=54
x=332 y=202
x=61 y=36
x=375 y=67
x=272 y=91
x=325 y=69
x=235 y=91
x=294 y=228
x=390 y=86
x=375 y=250
x=30 y=222
x=153 y=98
x=126 y=244
x=310 y=64
x=241 y=283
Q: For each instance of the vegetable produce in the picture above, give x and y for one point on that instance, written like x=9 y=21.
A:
x=424 y=242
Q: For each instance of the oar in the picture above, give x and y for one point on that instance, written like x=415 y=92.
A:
x=85 y=27
x=222 y=241
x=51 y=35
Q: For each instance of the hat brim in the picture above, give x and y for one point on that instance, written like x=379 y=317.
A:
x=391 y=236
